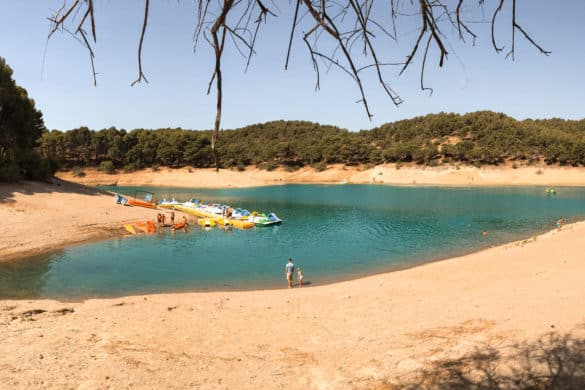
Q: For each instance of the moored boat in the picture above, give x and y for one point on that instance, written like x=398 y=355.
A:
x=261 y=219
x=141 y=203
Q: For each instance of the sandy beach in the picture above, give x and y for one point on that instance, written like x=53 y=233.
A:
x=338 y=174
x=511 y=314
x=41 y=217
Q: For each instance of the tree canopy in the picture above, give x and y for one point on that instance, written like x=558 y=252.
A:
x=21 y=126
x=477 y=138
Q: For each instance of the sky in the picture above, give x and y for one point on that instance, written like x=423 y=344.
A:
x=57 y=72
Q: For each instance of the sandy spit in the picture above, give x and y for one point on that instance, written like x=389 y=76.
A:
x=41 y=217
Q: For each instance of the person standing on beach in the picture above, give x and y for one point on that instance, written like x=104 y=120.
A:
x=300 y=276
x=289 y=270
x=172 y=217
x=560 y=223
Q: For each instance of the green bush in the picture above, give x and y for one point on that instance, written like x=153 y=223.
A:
x=78 y=172
x=107 y=167
x=156 y=168
x=269 y=166
x=241 y=167
x=320 y=166
x=129 y=168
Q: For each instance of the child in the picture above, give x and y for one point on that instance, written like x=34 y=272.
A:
x=300 y=276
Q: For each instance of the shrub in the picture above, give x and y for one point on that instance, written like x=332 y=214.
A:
x=78 y=172
x=514 y=166
x=129 y=168
x=269 y=166
x=241 y=167
x=156 y=168
x=107 y=167
x=320 y=166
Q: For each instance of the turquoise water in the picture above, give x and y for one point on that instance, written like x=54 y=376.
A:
x=332 y=232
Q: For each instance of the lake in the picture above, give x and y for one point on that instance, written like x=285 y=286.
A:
x=334 y=232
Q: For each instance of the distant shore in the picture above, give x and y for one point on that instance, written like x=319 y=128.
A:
x=391 y=174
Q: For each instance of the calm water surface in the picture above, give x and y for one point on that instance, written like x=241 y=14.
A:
x=332 y=232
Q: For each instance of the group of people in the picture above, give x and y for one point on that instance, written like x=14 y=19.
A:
x=227 y=212
x=289 y=270
x=161 y=219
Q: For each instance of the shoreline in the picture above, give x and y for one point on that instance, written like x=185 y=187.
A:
x=374 y=332
x=359 y=277
x=380 y=331
x=89 y=228
x=387 y=174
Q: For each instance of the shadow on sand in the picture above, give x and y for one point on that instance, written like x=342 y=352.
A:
x=553 y=361
x=54 y=185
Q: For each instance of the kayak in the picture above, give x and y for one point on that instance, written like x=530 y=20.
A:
x=129 y=229
x=179 y=225
x=141 y=203
x=150 y=226
x=141 y=226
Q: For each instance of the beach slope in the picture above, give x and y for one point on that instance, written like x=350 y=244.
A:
x=40 y=217
x=512 y=314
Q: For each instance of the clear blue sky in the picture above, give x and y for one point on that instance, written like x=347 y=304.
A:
x=474 y=78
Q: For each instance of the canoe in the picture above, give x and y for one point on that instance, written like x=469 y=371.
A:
x=141 y=203
x=150 y=226
x=129 y=229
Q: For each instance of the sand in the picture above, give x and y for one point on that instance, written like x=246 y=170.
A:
x=445 y=324
x=512 y=314
x=40 y=217
x=338 y=174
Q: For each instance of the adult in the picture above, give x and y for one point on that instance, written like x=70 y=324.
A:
x=560 y=223
x=172 y=217
x=289 y=270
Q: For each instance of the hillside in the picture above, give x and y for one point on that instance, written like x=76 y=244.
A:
x=477 y=138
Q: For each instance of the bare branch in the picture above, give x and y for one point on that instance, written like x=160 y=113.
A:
x=140 y=74
x=498 y=9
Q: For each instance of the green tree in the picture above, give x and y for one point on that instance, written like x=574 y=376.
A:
x=21 y=128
